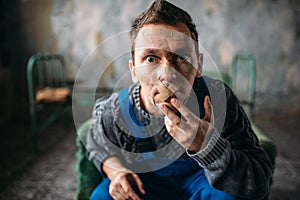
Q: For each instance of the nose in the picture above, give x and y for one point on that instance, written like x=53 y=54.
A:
x=168 y=76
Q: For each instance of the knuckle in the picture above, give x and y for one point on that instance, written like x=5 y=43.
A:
x=127 y=191
x=113 y=184
x=190 y=116
x=177 y=120
x=172 y=132
x=173 y=128
x=111 y=191
x=122 y=178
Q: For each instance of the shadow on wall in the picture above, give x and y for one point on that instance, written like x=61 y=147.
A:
x=270 y=30
x=266 y=29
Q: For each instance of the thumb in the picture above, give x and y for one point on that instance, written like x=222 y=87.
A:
x=208 y=109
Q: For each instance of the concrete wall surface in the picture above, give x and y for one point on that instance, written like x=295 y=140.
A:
x=92 y=35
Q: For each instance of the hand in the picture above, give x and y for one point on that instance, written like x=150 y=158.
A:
x=121 y=186
x=189 y=130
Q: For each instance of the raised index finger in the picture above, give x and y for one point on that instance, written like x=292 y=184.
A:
x=185 y=112
x=170 y=114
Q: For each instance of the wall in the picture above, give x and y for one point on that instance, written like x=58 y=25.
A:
x=92 y=34
x=268 y=29
x=11 y=63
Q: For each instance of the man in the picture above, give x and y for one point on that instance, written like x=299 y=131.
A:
x=174 y=134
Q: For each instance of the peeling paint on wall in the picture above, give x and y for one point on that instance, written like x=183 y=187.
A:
x=265 y=28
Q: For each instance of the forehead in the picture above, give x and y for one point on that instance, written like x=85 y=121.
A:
x=168 y=38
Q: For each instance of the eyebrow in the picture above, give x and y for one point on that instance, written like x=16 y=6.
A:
x=157 y=50
x=183 y=50
x=150 y=50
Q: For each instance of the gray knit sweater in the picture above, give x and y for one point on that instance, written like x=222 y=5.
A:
x=233 y=159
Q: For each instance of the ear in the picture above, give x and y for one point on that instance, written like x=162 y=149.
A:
x=200 y=64
x=133 y=73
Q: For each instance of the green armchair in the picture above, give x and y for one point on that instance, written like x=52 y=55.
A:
x=89 y=177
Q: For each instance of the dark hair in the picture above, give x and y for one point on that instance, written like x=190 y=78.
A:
x=162 y=12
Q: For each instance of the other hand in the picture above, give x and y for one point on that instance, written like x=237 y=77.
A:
x=121 y=186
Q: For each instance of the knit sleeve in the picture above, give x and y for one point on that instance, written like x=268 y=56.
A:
x=100 y=144
x=233 y=160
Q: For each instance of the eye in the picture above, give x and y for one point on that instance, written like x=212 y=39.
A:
x=183 y=58
x=151 y=59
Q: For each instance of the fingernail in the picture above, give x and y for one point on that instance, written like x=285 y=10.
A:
x=173 y=100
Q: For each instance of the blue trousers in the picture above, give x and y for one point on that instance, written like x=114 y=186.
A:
x=176 y=181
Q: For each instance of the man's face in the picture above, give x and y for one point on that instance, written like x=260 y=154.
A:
x=166 y=64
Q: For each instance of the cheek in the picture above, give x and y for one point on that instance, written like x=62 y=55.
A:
x=188 y=69
x=145 y=75
x=188 y=79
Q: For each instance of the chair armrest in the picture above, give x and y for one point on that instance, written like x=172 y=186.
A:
x=87 y=174
x=266 y=143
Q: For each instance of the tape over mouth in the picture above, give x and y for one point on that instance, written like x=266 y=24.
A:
x=165 y=89
x=165 y=93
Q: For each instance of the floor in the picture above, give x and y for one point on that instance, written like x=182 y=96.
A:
x=284 y=132
x=52 y=174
